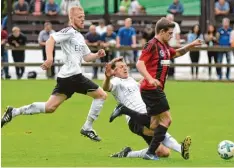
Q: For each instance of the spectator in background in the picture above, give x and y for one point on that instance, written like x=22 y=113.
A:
x=37 y=7
x=224 y=40
x=122 y=11
x=101 y=28
x=194 y=55
x=232 y=38
x=142 y=10
x=176 y=8
x=4 y=23
x=222 y=7
x=21 y=7
x=4 y=54
x=174 y=42
x=17 y=39
x=108 y=39
x=211 y=39
x=51 y=8
x=92 y=38
x=134 y=8
x=126 y=4
x=42 y=38
x=67 y=4
x=127 y=37
x=147 y=34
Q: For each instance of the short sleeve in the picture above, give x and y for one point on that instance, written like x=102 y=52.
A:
x=147 y=52
x=172 y=52
x=40 y=37
x=120 y=32
x=86 y=50
x=227 y=7
x=115 y=83
x=133 y=32
x=217 y=5
x=62 y=35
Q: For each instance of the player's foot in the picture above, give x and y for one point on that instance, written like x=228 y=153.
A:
x=123 y=153
x=150 y=157
x=7 y=116
x=117 y=112
x=185 y=147
x=90 y=134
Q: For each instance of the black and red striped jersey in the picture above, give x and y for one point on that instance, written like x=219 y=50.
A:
x=156 y=57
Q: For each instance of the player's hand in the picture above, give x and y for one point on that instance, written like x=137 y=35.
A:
x=47 y=64
x=109 y=72
x=117 y=45
x=197 y=42
x=154 y=82
x=101 y=53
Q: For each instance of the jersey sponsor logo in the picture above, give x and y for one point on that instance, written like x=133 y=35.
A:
x=165 y=62
x=79 y=48
x=161 y=52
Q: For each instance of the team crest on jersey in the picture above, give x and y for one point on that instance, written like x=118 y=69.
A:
x=161 y=52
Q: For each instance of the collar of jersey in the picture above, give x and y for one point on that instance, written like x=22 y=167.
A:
x=75 y=29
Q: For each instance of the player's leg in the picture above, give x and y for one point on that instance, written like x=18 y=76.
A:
x=35 y=108
x=88 y=87
x=158 y=109
x=140 y=118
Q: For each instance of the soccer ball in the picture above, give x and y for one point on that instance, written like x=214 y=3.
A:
x=226 y=149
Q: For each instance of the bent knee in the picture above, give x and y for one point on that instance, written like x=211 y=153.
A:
x=163 y=152
x=102 y=95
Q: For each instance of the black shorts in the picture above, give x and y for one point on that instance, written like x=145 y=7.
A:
x=76 y=83
x=155 y=100
x=138 y=129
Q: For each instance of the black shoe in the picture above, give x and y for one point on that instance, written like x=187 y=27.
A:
x=123 y=153
x=90 y=134
x=8 y=76
x=7 y=116
x=185 y=145
x=117 y=112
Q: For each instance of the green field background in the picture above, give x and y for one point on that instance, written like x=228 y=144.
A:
x=157 y=7
x=205 y=111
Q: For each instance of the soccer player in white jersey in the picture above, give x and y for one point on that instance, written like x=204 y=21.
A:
x=70 y=78
x=127 y=93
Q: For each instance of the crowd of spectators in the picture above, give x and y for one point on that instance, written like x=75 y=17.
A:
x=104 y=35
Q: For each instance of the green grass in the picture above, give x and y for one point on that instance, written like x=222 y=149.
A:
x=202 y=110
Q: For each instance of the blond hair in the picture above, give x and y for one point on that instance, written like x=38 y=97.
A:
x=74 y=10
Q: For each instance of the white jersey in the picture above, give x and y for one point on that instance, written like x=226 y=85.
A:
x=74 y=49
x=127 y=92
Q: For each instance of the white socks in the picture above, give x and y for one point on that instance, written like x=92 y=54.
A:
x=34 y=108
x=171 y=143
x=137 y=154
x=94 y=112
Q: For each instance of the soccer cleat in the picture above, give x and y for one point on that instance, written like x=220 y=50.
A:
x=7 y=116
x=123 y=153
x=91 y=134
x=117 y=112
x=148 y=156
x=185 y=145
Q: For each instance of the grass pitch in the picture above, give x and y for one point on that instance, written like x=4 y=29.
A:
x=202 y=110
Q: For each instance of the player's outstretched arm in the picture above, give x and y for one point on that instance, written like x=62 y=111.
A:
x=183 y=50
x=49 y=53
x=109 y=72
x=93 y=56
x=106 y=85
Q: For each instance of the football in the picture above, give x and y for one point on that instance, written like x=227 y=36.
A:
x=226 y=149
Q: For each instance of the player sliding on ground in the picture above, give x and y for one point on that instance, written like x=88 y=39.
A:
x=127 y=92
x=70 y=79
x=153 y=64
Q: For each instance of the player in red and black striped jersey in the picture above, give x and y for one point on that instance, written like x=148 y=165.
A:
x=154 y=65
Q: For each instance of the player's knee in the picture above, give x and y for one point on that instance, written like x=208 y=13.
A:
x=163 y=152
x=102 y=95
